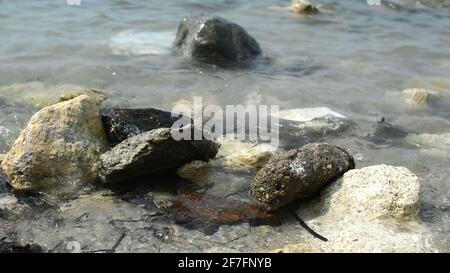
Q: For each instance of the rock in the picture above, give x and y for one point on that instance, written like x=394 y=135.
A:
x=293 y=248
x=307 y=114
x=215 y=40
x=39 y=94
x=303 y=7
x=372 y=209
x=2 y=156
x=375 y=191
x=387 y=134
x=60 y=148
x=7 y=202
x=12 y=247
x=206 y=212
x=121 y=124
x=298 y=174
x=309 y=124
x=243 y=155
x=433 y=144
x=152 y=152
x=234 y=158
x=418 y=97
x=197 y=172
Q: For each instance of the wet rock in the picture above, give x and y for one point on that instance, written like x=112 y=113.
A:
x=375 y=191
x=152 y=152
x=303 y=7
x=418 y=97
x=39 y=94
x=432 y=144
x=372 y=209
x=121 y=124
x=11 y=247
x=387 y=134
x=298 y=174
x=234 y=159
x=59 y=150
x=308 y=114
x=206 y=212
x=215 y=40
x=305 y=125
x=7 y=202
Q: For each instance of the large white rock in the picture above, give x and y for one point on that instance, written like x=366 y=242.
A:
x=60 y=148
x=372 y=209
x=375 y=191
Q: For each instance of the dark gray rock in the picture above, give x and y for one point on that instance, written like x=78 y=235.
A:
x=121 y=124
x=215 y=40
x=152 y=152
x=387 y=134
x=298 y=174
x=11 y=247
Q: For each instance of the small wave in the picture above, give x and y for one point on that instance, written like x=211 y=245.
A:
x=132 y=43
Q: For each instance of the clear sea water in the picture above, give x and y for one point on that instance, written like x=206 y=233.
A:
x=353 y=58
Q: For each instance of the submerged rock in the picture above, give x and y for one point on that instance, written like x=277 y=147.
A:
x=298 y=174
x=207 y=212
x=121 y=124
x=309 y=124
x=39 y=94
x=308 y=114
x=418 y=97
x=235 y=158
x=375 y=191
x=433 y=144
x=11 y=247
x=215 y=40
x=152 y=152
x=303 y=7
x=387 y=134
x=60 y=148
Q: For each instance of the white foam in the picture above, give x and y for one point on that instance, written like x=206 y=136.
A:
x=307 y=114
x=132 y=43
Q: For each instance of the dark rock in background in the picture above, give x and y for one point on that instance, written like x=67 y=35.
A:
x=215 y=40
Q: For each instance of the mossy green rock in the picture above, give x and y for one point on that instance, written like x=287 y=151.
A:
x=59 y=150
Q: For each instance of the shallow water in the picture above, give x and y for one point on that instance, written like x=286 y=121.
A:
x=353 y=58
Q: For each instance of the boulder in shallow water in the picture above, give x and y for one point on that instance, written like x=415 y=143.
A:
x=152 y=152
x=303 y=7
x=303 y=125
x=375 y=191
x=121 y=124
x=298 y=173
x=215 y=40
x=39 y=94
x=60 y=148
x=416 y=97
